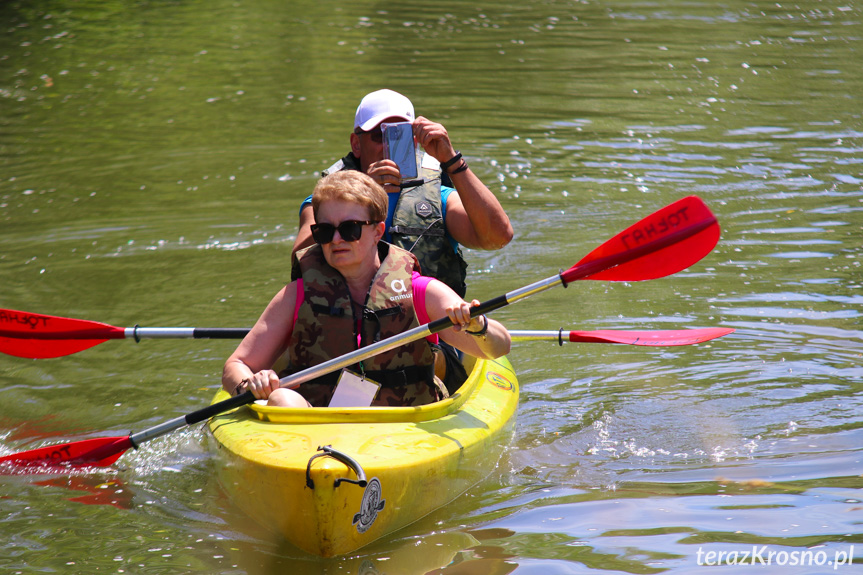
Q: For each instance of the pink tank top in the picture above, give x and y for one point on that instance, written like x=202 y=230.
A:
x=419 y=284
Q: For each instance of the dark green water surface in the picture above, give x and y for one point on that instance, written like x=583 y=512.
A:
x=152 y=159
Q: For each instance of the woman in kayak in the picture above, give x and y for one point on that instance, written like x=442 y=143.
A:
x=355 y=290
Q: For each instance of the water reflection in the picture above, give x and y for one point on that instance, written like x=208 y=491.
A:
x=153 y=159
x=101 y=491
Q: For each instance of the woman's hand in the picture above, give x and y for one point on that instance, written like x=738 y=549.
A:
x=261 y=384
x=459 y=314
x=479 y=336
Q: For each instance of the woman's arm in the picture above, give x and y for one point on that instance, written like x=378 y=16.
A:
x=441 y=301
x=249 y=367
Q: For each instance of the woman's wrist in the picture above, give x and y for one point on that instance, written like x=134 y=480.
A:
x=242 y=386
x=482 y=331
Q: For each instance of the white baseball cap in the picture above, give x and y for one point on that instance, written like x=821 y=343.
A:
x=379 y=106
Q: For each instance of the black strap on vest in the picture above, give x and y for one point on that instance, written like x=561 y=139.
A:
x=371 y=315
x=327 y=310
x=402 y=377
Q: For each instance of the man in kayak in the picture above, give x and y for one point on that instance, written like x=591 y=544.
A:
x=446 y=207
x=353 y=290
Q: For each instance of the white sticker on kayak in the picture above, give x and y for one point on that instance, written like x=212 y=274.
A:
x=372 y=504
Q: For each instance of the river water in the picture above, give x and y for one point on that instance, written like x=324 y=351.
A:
x=152 y=158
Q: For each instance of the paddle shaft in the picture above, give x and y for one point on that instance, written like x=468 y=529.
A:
x=139 y=333
x=136 y=333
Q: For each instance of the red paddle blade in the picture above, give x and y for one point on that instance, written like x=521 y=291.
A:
x=38 y=336
x=665 y=242
x=44 y=349
x=96 y=452
x=670 y=337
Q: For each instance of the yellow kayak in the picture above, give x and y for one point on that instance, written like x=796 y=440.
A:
x=332 y=480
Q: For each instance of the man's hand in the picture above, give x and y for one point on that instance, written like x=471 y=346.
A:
x=433 y=138
x=387 y=174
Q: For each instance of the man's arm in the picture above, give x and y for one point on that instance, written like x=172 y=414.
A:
x=304 y=233
x=474 y=216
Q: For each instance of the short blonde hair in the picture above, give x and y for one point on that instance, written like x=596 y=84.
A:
x=352 y=186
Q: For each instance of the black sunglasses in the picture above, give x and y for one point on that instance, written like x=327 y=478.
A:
x=349 y=230
x=376 y=134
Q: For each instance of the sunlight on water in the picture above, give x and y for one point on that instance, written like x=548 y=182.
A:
x=154 y=157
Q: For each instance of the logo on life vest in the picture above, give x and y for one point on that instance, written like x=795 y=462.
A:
x=398 y=286
x=370 y=507
x=424 y=209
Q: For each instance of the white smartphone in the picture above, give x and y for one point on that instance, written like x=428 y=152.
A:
x=399 y=147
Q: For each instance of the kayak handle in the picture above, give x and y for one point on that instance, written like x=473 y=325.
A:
x=328 y=451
